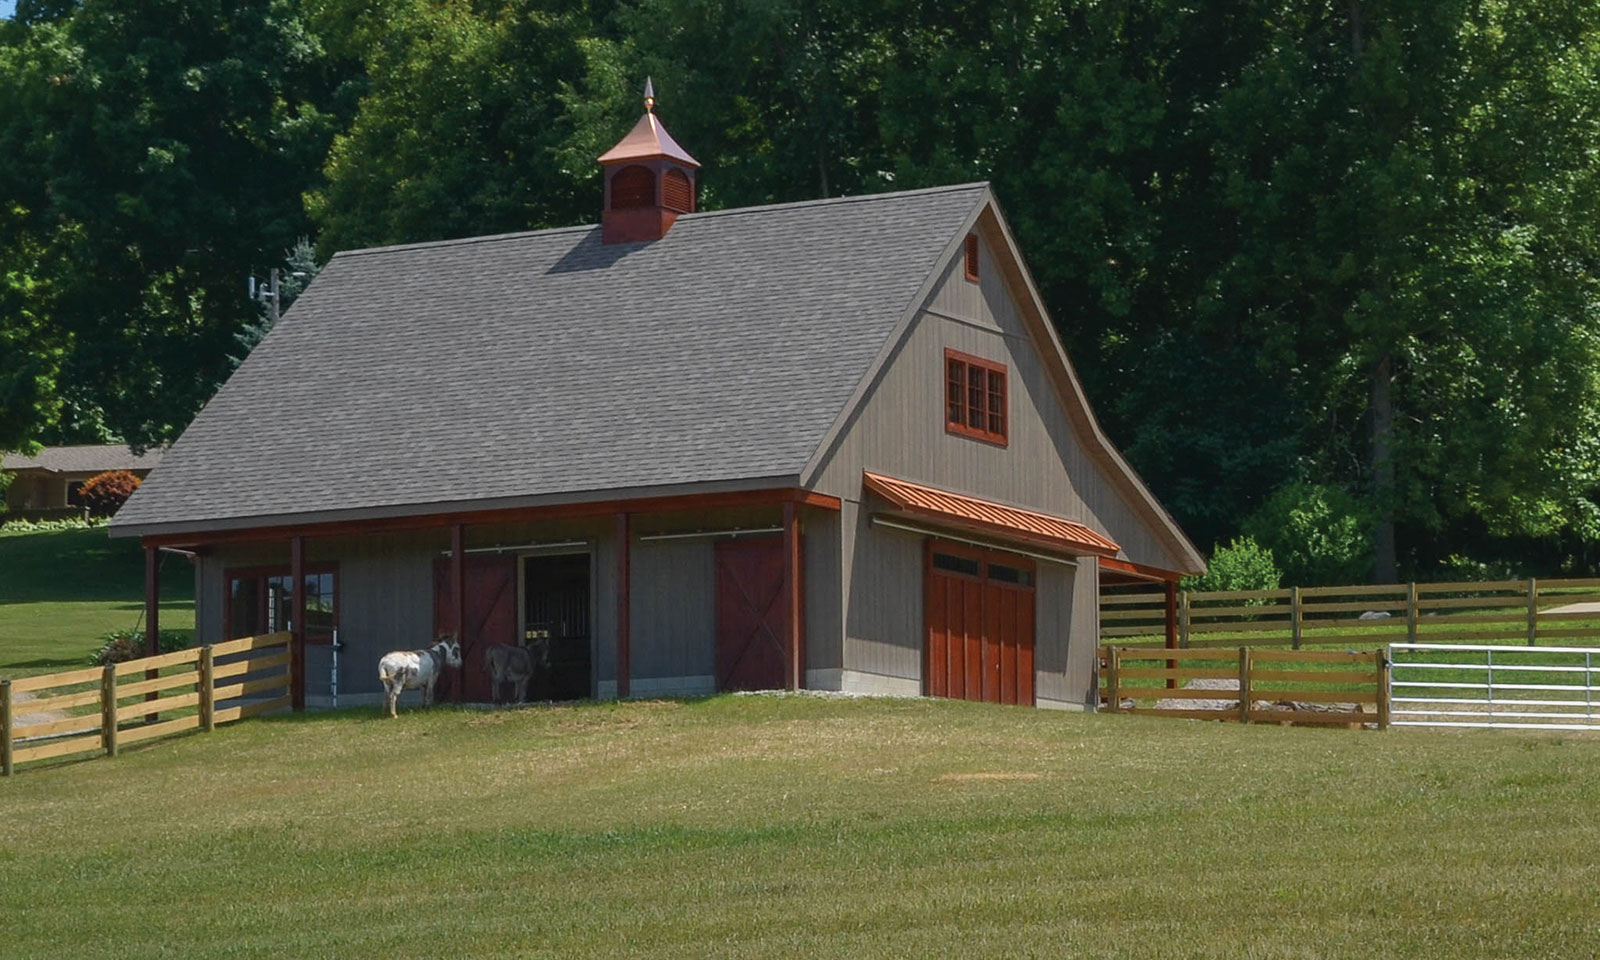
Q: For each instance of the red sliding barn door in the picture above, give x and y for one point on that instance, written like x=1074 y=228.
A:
x=752 y=626
x=979 y=613
x=491 y=590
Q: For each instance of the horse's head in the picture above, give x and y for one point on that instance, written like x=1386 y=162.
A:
x=452 y=650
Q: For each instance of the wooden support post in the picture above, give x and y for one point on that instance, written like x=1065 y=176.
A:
x=297 y=622
x=791 y=595
x=5 y=728
x=624 y=605
x=1296 y=621
x=1411 y=612
x=152 y=615
x=1381 y=663
x=1244 y=685
x=208 y=690
x=1171 y=609
x=108 y=709
x=1533 y=611
x=458 y=594
x=1113 y=687
x=1183 y=620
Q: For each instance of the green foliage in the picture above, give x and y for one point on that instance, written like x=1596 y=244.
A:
x=54 y=525
x=1354 y=245
x=105 y=493
x=1320 y=534
x=121 y=645
x=1241 y=565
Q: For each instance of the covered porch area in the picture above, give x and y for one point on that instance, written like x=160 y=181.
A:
x=689 y=593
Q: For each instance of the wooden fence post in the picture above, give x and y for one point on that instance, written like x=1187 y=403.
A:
x=5 y=728
x=1381 y=662
x=1533 y=611
x=1295 y=628
x=108 y=709
x=1411 y=612
x=208 y=706
x=1244 y=685
x=1183 y=619
x=1113 y=688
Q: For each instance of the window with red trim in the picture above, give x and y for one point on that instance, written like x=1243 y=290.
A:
x=974 y=397
x=972 y=257
x=261 y=600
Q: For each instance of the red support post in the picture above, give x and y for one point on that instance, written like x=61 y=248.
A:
x=624 y=604
x=458 y=593
x=791 y=596
x=297 y=622
x=1172 y=628
x=152 y=614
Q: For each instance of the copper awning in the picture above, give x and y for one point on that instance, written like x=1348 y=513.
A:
x=985 y=516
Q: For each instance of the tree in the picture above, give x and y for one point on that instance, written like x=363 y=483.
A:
x=156 y=150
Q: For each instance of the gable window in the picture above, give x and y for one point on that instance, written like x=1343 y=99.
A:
x=261 y=600
x=972 y=257
x=974 y=397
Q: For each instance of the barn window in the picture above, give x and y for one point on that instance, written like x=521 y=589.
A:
x=975 y=397
x=972 y=257
x=633 y=186
x=261 y=600
x=676 y=192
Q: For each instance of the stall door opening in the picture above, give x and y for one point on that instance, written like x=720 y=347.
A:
x=555 y=607
x=980 y=624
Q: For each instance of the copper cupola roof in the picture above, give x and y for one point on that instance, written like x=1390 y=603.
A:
x=648 y=139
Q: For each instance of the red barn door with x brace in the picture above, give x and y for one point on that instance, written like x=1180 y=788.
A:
x=752 y=629
x=491 y=590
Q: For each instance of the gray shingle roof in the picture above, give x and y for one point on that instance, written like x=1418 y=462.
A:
x=547 y=363
x=82 y=458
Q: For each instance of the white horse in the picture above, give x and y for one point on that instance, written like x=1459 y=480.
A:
x=409 y=669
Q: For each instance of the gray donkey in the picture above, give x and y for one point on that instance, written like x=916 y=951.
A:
x=516 y=665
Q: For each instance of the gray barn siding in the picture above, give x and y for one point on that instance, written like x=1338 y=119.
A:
x=673 y=612
x=824 y=601
x=899 y=430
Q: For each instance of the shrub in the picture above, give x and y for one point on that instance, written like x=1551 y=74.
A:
x=120 y=645
x=51 y=526
x=105 y=493
x=1241 y=565
x=1320 y=534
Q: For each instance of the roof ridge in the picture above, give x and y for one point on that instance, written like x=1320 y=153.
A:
x=703 y=215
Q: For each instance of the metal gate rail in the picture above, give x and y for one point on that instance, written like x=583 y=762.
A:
x=1502 y=698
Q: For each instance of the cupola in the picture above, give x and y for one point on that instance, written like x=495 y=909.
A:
x=650 y=180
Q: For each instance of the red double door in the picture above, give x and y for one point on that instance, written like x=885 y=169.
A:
x=491 y=617
x=979 y=614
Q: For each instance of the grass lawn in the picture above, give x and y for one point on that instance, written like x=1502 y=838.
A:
x=798 y=826
x=62 y=591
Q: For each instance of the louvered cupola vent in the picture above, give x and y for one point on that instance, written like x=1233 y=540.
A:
x=650 y=180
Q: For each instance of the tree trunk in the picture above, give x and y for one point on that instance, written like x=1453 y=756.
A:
x=1385 y=569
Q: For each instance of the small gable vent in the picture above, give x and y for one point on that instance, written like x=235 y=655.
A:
x=633 y=186
x=972 y=256
x=676 y=193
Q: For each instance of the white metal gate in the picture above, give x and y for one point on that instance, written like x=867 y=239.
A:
x=1457 y=685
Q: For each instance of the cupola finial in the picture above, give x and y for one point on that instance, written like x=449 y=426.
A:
x=649 y=96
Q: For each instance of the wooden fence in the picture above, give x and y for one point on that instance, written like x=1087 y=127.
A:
x=1506 y=611
x=1273 y=686
x=197 y=689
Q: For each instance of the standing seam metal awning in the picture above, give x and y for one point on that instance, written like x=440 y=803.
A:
x=972 y=513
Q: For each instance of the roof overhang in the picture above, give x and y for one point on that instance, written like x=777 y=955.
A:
x=998 y=521
x=1115 y=572
x=439 y=516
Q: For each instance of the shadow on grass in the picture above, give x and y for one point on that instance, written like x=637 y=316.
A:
x=68 y=662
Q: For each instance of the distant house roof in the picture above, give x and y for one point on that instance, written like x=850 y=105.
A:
x=83 y=458
x=536 y=364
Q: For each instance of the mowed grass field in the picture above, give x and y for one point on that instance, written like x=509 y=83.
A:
x=781 y=826
x=62 y=591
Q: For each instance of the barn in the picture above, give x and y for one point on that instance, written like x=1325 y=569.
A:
x=834 y=445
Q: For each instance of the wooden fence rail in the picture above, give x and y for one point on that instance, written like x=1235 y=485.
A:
x=185 y=688
x=1501 y=611
x=1273 y=686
